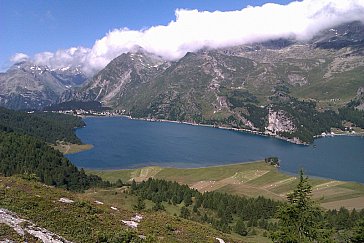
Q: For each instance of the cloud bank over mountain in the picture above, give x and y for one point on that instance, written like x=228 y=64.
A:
x=193 y=30
x=19 y=57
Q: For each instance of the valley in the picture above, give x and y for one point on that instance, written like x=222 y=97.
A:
x=182 y=121
x=285 y=88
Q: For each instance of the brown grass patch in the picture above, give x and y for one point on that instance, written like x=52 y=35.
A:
x=357 y=203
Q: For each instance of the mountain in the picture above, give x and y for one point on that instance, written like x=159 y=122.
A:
x=346 y=35
x=29 y=86
x=260 y=87
x=69 y=76
x=128 y=71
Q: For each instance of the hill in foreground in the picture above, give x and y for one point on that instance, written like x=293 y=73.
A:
x=81 y=218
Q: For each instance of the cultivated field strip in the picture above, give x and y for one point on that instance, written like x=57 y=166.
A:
x=249 y=179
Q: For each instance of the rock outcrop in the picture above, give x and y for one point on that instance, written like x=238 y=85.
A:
x=279 y=121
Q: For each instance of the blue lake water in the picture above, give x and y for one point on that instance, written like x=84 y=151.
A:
x=121 y=143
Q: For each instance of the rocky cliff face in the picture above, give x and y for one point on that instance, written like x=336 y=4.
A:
x=279 y=121
x=360 y=99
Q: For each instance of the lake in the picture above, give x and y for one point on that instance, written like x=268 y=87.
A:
x=121 y=143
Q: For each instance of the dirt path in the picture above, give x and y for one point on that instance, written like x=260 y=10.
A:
x=68 y=147
x=245 y=176
x=278 y=183
x=327 y=185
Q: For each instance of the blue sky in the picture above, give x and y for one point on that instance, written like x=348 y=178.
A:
x=36 y=26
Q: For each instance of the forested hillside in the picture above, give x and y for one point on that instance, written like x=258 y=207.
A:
x=30 y=157
x=75 y=105
x=217 y=209
x=46 y=126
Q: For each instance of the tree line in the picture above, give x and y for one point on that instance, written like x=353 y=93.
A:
x=218 y=209
x=76 y=105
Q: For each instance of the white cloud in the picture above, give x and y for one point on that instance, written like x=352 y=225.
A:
x=70 y=57
x=193 y=30
x=19 y=57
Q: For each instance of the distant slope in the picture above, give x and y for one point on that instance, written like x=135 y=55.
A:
x=49 y=127
x=29 y=86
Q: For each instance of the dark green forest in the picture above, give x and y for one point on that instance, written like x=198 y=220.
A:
x=32 y=158
x=75 y=105
x=308 y=121
x=352 y=115
x=46 y=126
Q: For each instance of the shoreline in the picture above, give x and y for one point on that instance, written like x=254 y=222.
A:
x=265 y=134
x=172 y=167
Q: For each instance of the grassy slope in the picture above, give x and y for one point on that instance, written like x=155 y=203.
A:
x=342 y=86
x=84 y=220
x=250 y=179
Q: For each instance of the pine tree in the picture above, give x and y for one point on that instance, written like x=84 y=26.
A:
x=300 y=219
x=140 y=204
x=158 y=207
x=240 y=227
x=119 y=183
x=185 y=213
x=133 y=185
x=187 y=199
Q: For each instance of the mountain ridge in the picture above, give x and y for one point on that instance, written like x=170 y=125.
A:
x=26 y=85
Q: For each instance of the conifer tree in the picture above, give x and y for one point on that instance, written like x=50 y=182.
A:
x=240 y=227
x=140 y=204
x=300 y=220
x=358 y=232
x=185 y=213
